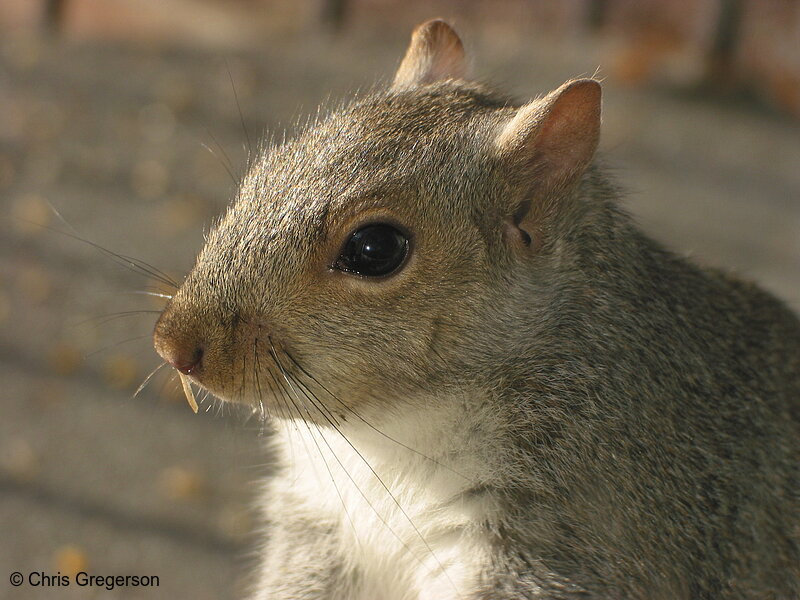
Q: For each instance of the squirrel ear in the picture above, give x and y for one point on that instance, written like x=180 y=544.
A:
x=549 y=143
x=554 y=138
x=435 y=53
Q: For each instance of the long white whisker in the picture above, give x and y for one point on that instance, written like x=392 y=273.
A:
x=148 y=378
x=155 y=294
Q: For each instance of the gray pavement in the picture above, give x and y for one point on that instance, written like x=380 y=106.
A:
x=112 y=137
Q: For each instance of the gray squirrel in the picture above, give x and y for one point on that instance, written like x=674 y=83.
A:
x=486 y=382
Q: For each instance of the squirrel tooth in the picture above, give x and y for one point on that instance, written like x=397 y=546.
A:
x=187 y=389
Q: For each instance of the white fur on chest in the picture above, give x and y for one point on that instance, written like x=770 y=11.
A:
x=404 y=525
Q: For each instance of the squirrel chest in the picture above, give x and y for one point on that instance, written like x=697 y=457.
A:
x=406 y=528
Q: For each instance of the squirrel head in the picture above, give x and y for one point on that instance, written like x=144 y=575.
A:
x=377 y=257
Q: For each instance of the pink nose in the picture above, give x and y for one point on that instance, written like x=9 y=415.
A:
x=184 y=361
x=182 y=352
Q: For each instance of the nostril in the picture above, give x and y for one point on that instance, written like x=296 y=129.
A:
x=191 y=365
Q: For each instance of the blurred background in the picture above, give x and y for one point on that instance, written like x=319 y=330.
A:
x=126 y=122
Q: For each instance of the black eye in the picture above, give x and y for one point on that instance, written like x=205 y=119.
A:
x=373 y=251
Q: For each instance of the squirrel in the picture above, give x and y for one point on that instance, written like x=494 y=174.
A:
x=485 y=382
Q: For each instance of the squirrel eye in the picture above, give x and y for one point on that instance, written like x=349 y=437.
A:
x=373 y=251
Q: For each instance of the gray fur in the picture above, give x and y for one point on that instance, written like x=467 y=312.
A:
x=644 y=439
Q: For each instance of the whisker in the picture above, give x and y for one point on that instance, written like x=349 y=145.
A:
x=288 y=421
x=325 y=462
x=104 y=348
x=370 y=425
x=241 y=116
x=350 y=477
x=174 y=379
x=154 y=294
x=329 y=416
x=257 y=378
x=148 y=269
x=134 y=264
x=116 y=315
x=228 y=169
x=61 y=218
x=148 y=378
x=280 y=397
x=333 y=479
x=243 y=383
x=378 y=478
x=272 y=378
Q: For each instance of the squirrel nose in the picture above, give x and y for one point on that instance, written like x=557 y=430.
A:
x=184 y=359
x=183 y=353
